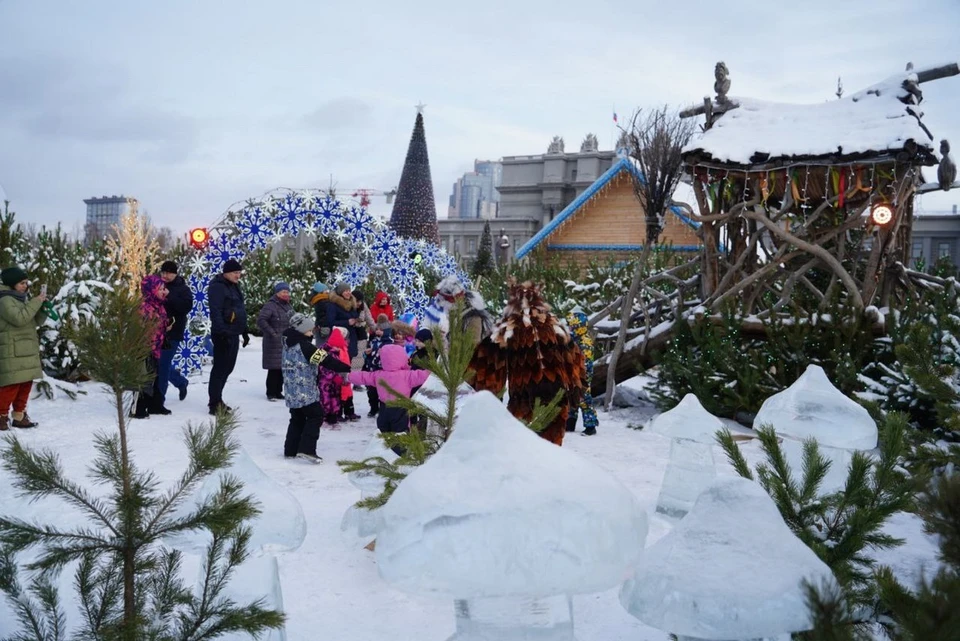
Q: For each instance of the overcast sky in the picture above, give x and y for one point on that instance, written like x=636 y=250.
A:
x=192 y=105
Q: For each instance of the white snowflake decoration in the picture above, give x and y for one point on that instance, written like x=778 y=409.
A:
x=328 y=214
x=222 y=249
x=416 y=302
x=199 y=282
x=386 y=247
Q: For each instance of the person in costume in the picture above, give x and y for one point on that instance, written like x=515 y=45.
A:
x=477 y=322
x=577 y=323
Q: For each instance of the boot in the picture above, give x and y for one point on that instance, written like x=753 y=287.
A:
x=348 y=413
x=311 y=458
x=22 y=421
x=141 y=410
x=4 y=424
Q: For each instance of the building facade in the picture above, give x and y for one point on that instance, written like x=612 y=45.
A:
x=935 y=235
x=104 y=213
x=475 y=194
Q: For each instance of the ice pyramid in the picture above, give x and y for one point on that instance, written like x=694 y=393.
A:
x=360 y=523
x=690 y=470
x=731 y=569
x=813 y=407
x=687 y=420
x=500 y=512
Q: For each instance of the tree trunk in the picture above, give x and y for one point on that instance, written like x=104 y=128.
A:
x=626 y=311
x=129 y=626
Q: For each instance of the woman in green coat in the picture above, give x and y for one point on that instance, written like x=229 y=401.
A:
x=19 y=346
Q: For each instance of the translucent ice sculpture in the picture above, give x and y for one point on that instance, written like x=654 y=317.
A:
x=690 y=470
x=359 y=523
x=434 y=395
x=509 y=526
x=813 y=407
x=731 y=569
x=687 y=420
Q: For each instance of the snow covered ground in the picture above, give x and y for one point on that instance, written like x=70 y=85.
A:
x=331 y=589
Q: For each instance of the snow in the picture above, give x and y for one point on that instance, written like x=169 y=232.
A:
x=731 y=569
x=813 y=408
x=872 y=120
x=499 y=511
x=330 y=586
x=688 y=420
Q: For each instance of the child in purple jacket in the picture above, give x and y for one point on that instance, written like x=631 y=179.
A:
x=397 y=374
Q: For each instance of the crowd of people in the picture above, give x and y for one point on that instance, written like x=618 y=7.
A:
x=314 y=362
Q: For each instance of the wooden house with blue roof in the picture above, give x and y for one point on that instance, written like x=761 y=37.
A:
x=607 y=222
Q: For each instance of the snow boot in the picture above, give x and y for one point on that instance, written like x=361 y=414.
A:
x=348 y=413
x=590 y=431
x=183 y=392
x=23 y=421
x=4 y=424
x=311 y=458
x=141 y=410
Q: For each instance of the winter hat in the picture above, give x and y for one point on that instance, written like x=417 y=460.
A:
x=340 y=288
x=281 y=286
x=384 y=324
x=149 y=286
x=232 y=265
x=301 y=322
x=424 y=335
x=12 y=275
x=169 y=267
x=319 y=288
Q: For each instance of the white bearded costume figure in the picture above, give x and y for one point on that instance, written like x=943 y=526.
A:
x=477 y=322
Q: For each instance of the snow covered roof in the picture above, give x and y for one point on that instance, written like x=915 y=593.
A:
x=880 y=120
x=625 y=163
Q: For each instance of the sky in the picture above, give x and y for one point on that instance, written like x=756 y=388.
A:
x=194 y=105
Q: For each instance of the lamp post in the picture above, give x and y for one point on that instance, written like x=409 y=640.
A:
x=503 y=247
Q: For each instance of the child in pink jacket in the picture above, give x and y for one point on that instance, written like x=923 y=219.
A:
x=397 y=374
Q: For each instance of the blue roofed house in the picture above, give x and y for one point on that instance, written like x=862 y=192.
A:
x=607 y=222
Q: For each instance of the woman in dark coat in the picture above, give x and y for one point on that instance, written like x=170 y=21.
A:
x=273 y=321
x=342 y=312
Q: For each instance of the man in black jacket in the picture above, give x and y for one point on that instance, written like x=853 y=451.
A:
x=228 y=322
x=178 y=304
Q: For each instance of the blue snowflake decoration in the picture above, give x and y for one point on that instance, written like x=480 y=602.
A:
x=431 y=253
x=290 y=214
x=357 y=225
x=254 y=227
x=190 y=353
x=327 y=215
x=416 y=302
x=402 y=275
x=386 y=247
x=354 y=274
x=198 y=285
x=222 y=249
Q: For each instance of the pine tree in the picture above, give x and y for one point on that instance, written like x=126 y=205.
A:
x=129 y=584
x=483 y=265
x=414 y=211
x=841 y=526
x=11 y=237
x=329 y=256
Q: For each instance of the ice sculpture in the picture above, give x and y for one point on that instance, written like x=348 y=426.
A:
x=358 y=522
x=690 y=470
x=687 y=420
x=509 y=526
x=434 y=395
x=281 y=525
x=813 y=407
x=731 y=569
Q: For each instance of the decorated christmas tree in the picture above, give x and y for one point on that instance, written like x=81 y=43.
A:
x=483 y=265
x=414 y=212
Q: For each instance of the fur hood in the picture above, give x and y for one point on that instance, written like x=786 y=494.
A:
x=346 y=304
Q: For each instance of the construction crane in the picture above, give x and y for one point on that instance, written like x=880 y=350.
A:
x=364 y=194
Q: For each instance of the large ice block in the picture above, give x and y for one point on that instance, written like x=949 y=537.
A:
x=690 y=470
x=687 y=420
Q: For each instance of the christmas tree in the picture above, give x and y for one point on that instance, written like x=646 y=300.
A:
x=483 y=265
x=414 y=212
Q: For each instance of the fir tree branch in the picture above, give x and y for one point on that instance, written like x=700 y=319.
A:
x=725 y=440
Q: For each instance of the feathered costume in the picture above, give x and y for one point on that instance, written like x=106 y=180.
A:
x=533 y=352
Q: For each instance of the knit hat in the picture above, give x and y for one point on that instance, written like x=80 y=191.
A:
x=340 y=288
x=12 y=275
x=358 y=296
x=232 y=265
x=319 y=288
x=424 y=335
x=169 y=267
x=302 y=323
x=383 y=324
x=281 y=286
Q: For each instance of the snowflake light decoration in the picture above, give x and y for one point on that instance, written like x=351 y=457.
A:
x=357 y=225
x=354 y=274
x=290 y=213
x=222 y=249
x=190 y=353
x=254 y=227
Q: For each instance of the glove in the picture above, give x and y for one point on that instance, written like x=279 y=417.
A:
x=246 y=339
x=51 y=313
